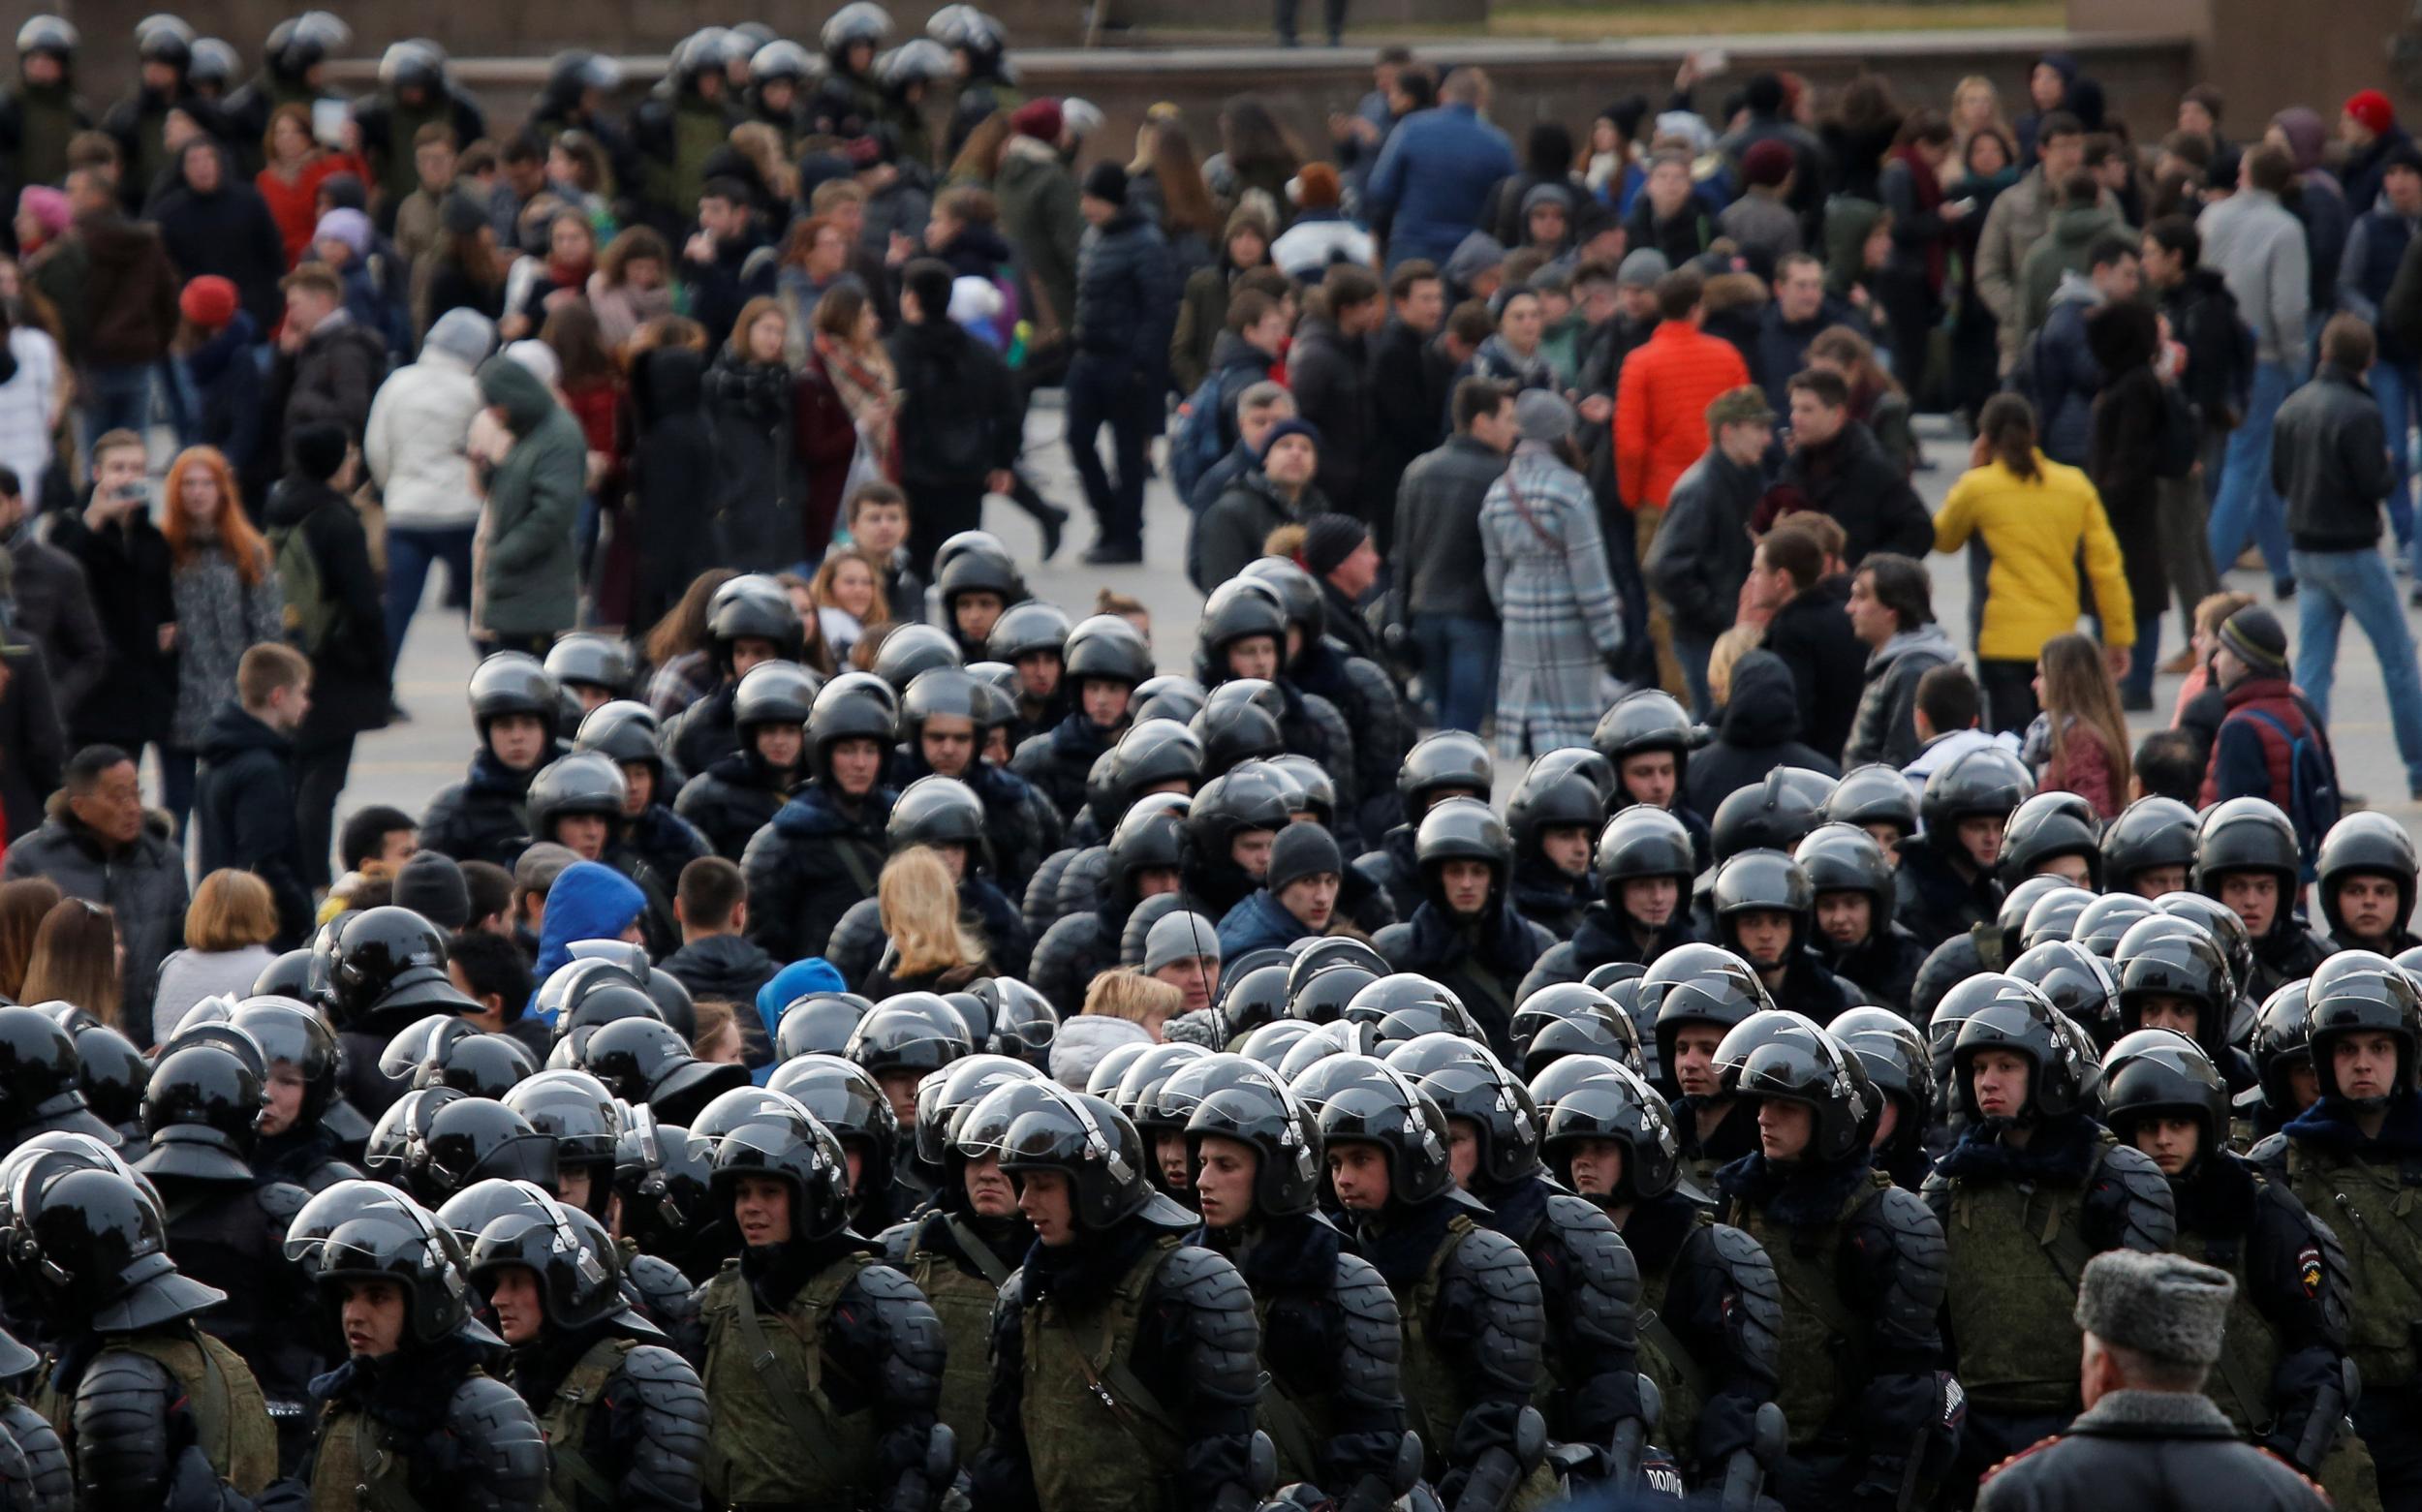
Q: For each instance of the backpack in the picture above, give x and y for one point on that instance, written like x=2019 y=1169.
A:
x=2312 y=787
x=1197 y=444
x=310 y=614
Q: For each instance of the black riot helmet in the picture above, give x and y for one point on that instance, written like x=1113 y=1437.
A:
x=167 y=39
x=623 y=732
x=2247 y=835
x=94 y=1246
x=738 y=1106
x=660 y=1174
x=1405 y=1124
x=941 y=1099
x=2101 y=923
x=1841 y=857
x=1463 y=829
x=2170 y=957
x=2021 y=900
x=821 y=1023
x=579 y=1278
x=110 y=1071
x=1106 y=648
x=202 y=1112
x=288 y=1031
x=1298 y=591
x=1238 y=609
x=798 y=1152
x=910 y=651
x=2076 y=981
x=2017 y=1018
x=1467 y=1082
x=584 y=1119
x=485 y=1065
x=849 y=1102
x=1241 y=1099
x=1875 y=793
x=1315 y=792
x=1449 y=760
x=2227 y=930
x=1155 y=752
x=1234 y=736
x=403 y=1129
x=773 y=692
x=1248 y=798
x=1986 y=783
x=41 y=1077
x=946 y=692
x=388 y=959
x=2053 y=917
x=853 y=706
x=513 y=682
x=1756 y=882
x=980 y=564
x=585 y=661
x=1169 y=696
x=2151 y=832
x=1563 y=797
x=574 y=72
x=1026 y=628
x=1787 y=1057
x=1699 y=984
x=1565 y=1019
x=2366 y=844
x=1270 y=1043
x=362 y=1231
x=289 y=975
x=2282 y=1044
x=51 y=34
x=1639 y=723
x=912 y=1032
x=1639 y=844
x=2046 y=827
x=474 y=1139
x=1613 y=1103
x=644 y=1060
x=2154 y=1072
x=940 y=811
x=1093 y=1145
x=581 y=783
x=1775 y=813
x=2359 y=991
x=1024 y=1022
x=753 y=606
x=1894 y=1055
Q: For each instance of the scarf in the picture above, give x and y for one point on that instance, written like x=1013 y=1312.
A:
x=867 y=389
x=1928 y=191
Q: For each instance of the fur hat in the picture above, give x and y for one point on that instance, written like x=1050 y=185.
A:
x=2164 y=1305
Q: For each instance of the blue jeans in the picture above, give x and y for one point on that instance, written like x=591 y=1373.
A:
x=2398 y=386
x=1692 y=651
x=409 y=553
x=1458 y=668
x=114 y=398
x=2248 y=503
x=2145 y=654
x=2330 y=585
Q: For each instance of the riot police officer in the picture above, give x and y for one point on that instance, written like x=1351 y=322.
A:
x=1554 y=817
x=1590 y=1284
x=41 y=113
x=143 y=1398
x=1947 y=880
x=225 y=1225
x=625 y=732
x=849 y=100
x=1330 y=1335
x=389 y=974
x=2171 y=976
x=2055 y=833
x=414 y=1414
x=1125 y=1361
x=1321 y=667
x=1901 y=1073
x=1992 y=945
x=1857 y=936
x=2366 y=883
x=1146 y=858
x=1643 y=873
x=625 y=1417
x=1648 y=736
x=416 y=89
x=2150 y=849
x=1878 y=799
x=164 y=49
x=749 y=621
x=739 y=792
x=1230 y=827
x=1764 y=910
x=1701 y=992
x=584 y=1119
x=2034 y=1188
x=1449 y=764
x=987 y=82
x=824 y=850
x=294 y=64
x=578 y=801
x=676 y=129
x=2283 y=1378
x=2354 y=1158
x=2247 y=856
x=40 y=1081
x=1862 y=1267
x=1103 y=661
x=901 y=1043
x=2282 y=1060
x=1244 y=636
x=514 y=707
x=841 y=1393
x=1466 y=935
x=886 y=1182
x=779 y=72
x=1710 y=1322
x=296 y=1142
x=942 y=717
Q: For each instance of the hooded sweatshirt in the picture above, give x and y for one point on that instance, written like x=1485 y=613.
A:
x=420 y=425
x=589 y=901
x=523 y=574
x=1758 y=731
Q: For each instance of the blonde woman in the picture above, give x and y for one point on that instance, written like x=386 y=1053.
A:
x=931 y=948
x=1975 y=106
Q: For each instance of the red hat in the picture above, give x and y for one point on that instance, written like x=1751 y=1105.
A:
x=1038 y=118
x=208 y=301
x=2372 y=108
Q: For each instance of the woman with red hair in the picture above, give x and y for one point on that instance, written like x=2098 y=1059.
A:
x=227 y=598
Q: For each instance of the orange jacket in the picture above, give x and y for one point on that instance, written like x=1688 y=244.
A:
x=1660 y=407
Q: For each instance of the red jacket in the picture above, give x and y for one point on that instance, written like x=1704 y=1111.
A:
x=1661 y=408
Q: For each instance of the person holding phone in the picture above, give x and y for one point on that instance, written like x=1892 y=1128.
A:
x=114 y=537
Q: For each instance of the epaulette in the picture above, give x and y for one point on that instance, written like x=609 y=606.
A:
x=2037 y=1447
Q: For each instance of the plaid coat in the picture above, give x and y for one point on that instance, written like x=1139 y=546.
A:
x=1561 y=620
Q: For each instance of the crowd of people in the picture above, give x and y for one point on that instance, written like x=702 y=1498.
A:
x=1581 y=987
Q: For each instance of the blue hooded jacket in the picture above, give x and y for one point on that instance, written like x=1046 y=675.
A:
x=788 y=985
x=589 y=901
x=1257 y=922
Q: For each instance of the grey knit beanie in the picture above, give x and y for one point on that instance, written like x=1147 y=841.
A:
x=1181 y=935
x=2164 y=1305
x=1301 y=851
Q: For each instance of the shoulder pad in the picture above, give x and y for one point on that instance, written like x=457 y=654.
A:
x=665 y=1294
x=1754 y=1314
x=2270 y=1151
x=501 y=1445
x=120 y=1425
x=1936 y=1192
x=1371 y=1337
x=280 y=1201
x=1223 y=1332
x=45 y=1456
x=2148 y=1213
x=655 y=1363
x=897 y=1241
x=673 y=1418
x=1599 y=1256
x=881 y=1284
x=913 y=1365
x=1497 y=1266
x=1920 y=1260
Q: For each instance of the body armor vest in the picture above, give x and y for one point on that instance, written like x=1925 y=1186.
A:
x=1435 y=1388
x=362 y=1465
x=963 y=1302
x=231 y=1416
x=774 y=1431
x=1095 y=1438
x=1680 y=1383
x=2377 y=1213
x=1299 y=1424
x=1824 y=1345
x=2017 y=1250
x=576 y=1482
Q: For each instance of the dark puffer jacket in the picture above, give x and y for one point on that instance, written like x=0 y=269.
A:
x=759 y=483
x=1057 y=761
x=806 y=867
x=1127 y=290
x=244 y=814
x=481 y=817
x=1758 y=731
x=730 y=801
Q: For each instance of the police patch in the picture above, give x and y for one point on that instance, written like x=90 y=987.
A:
x=2309 y=1270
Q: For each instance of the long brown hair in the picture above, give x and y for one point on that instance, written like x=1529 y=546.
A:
x=2007 y=427
x=919 y=910
x=1185 y=199
x=572 y=334
x=23 y=905
x=2081 y=701
x=683 y=628
x=877 y=616
x=1856 y=356
x=980 y=158
x=242 y=544
x=632 y=244
x=75 y=960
